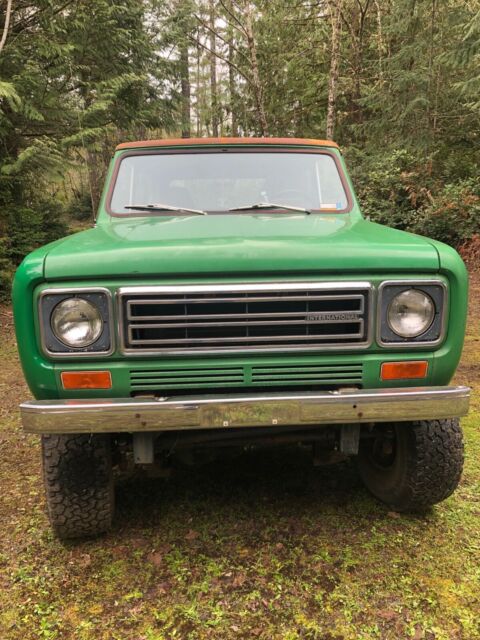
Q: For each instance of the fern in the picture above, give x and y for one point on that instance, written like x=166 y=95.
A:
x=43 y=156
x=9 y=94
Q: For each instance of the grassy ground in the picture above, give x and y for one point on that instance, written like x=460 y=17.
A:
x=262 y=547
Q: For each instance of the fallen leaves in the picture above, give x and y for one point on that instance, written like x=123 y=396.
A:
x=192 y=535
x=239 y=580
x=155 y=558
x=394 y=514
x=387 y=614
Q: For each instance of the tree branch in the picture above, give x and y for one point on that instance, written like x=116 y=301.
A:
x=6 y=25
x=239 y=26
x=218 y=35
x=220 y=57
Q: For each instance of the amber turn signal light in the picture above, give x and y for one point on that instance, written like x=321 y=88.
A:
x=86 y=379
x=404 y=370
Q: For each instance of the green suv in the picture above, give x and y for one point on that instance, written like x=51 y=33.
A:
x=231 y=294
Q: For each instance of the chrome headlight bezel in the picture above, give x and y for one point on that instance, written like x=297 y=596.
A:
x=434 y=333
x=52 y=345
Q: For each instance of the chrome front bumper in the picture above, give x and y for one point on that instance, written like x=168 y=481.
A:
x=216 y=412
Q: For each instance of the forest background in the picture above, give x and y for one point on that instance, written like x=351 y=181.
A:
x=395 y=82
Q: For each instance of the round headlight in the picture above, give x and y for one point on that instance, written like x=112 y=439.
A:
x=411 y=313
x=76 y=322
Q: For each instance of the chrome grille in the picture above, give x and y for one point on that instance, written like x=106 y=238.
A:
x=245 y=317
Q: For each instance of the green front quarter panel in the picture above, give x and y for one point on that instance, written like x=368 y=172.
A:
x=39 y=372
x=234 y=248
x=448 y=354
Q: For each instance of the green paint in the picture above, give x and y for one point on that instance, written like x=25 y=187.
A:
x=233 y=248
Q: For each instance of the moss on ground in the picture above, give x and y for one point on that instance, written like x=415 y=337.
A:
x=262 y=547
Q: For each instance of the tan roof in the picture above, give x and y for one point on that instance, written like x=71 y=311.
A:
x=199 y=141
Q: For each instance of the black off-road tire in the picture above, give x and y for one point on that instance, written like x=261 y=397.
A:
x=77 y=472
x=422 y=466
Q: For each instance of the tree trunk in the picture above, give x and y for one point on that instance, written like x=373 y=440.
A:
x=233 y=104
x=6 y=24
x=198 y=91
x=380 y=42
x=433 y=75
x=233 y=92
x=257 y=85
x=356 y=26
x=94 y=179
x=335 y=18
x=213 y=68
x=186 y=90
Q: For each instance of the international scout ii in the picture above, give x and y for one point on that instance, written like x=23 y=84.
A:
x=232 y=294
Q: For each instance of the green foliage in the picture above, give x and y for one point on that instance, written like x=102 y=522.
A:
x=78 y=77
x=24 y=228
x=454 y=214
x=388 y=186
x=80 y=207
x=42 y=157
x=6 y=271
x=398 y=190
x=71 y=76
x=10 y=96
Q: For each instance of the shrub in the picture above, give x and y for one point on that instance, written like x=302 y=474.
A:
x=23 y=229
x=470 y=252
x=397 y=189
x=454 y=214
x=391 y=187
x=80 y=207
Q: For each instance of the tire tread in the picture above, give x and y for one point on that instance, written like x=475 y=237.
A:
x=77 y=473
x=428 y=467
x=439 y=461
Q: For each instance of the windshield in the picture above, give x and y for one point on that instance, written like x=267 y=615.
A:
x=217 y=182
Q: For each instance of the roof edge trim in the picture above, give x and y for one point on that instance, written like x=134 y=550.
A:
x=174 y=142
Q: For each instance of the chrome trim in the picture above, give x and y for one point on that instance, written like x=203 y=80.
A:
x=125 y=314
x=242 y=287
x=240 y=339
x=217 y=411
x=230 y=315
x=76 y=354
x=412 y=344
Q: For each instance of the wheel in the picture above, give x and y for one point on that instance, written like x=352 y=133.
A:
x=411 y=466
x=77 y=472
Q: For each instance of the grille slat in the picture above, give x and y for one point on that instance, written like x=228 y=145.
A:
x=311 y=375
x=201 y=378
x=300 y=298
x=325 y=375
x=263 y=317
x=246 y=299
x=246 y=323
x=169 y=375
x=332 y=369
x=240 y=339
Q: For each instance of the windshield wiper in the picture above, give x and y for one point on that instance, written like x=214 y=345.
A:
x=164 y=207
x=269 y=205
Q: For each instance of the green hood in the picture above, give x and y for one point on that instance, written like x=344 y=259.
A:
x=236 y=244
